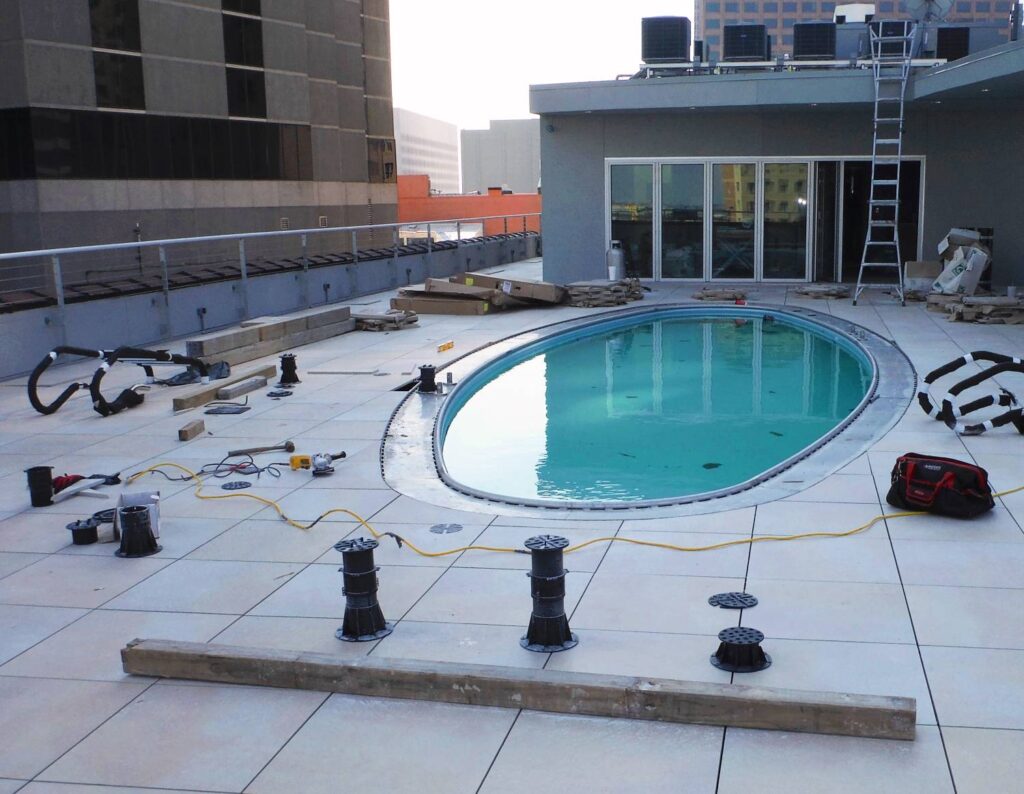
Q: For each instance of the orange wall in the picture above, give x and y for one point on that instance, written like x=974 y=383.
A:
x=416 y=205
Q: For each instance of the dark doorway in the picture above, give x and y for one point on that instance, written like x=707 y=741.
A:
x=826 y=220
x=856 y=190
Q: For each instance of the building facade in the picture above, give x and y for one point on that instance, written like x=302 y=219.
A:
x=507 y=155
x=779 y=16
x=428 y=146
x=764 y=176
x=150 y=119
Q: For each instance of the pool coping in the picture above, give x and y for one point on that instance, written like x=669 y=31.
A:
x=412 y=465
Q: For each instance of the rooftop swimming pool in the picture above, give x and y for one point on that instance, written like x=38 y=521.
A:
x=651 y=408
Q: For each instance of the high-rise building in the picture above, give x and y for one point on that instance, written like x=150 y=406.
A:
x=170 y=118
x=428 y=146
x=507 y=154
x=779 y=16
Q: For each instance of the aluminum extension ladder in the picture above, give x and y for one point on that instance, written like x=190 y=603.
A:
x=892 y=48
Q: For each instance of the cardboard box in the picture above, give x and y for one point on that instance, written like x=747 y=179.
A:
x=440 y=287
x=919 y=275
x=962 y=271
x=540 y=291
x=954 y=238
x=434 y=305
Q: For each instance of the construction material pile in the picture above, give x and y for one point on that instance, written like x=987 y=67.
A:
x=476 y=293
x=991 y=309
x=963 y=259
x=592 y=294
x=823 y=291
x=719 y=294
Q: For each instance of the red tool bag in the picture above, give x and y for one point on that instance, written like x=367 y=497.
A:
x=939 y=485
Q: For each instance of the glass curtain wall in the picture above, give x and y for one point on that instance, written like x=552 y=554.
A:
x=733 y=198
x=632 y=200
x=682 y=221
x=784 y=251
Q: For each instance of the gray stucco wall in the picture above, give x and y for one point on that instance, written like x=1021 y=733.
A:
x=974 y=173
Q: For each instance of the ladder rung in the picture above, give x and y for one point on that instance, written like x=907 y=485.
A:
x=881 y=242
x=887 y=141
x=882 y=222
x=889 y=99
x=885 y=202
x=886 y=181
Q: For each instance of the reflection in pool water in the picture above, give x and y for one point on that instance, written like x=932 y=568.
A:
x=657 y=410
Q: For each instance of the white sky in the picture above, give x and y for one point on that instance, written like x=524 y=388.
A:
x=470 y=61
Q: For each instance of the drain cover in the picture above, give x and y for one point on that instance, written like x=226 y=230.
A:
x=446 y=529
x=235 y=485
x=733 y=600
x=227 y=409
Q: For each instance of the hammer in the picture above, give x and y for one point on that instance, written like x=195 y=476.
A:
x=287 y=446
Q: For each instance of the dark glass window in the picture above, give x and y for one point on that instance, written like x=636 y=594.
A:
x=983 y=7
x=787 y=38
x=789 y=8
x=115 y=24
x=714 y=39
x=712 y=8
x=242 y=6
x=119 y=81
x=381 y=159
x=885 y=7
x=771 y=8
x=243 y=40
x=53 y=136
x=750 y=8
x=247 y=94
x=811 y=8
x=16 y=157
x=712 y=24
x=732 y=7
x=1002 y=6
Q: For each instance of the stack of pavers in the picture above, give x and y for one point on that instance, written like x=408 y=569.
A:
x=476 y=293
x=264 y=336
x=592 y=294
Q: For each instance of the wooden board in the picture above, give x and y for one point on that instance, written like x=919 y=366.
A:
x=425 y=305
x=242 y=387
x=557 y=691
x=203 y=394
x=191 y=430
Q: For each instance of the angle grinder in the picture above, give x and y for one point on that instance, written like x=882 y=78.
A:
x=319 y=464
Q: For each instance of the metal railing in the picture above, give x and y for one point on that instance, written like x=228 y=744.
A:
x=58 y=276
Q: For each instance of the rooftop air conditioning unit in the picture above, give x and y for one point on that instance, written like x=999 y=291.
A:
x=814 y=41
x=666 y=39
x=854 y=12
x=952 y=43
x=744 y=43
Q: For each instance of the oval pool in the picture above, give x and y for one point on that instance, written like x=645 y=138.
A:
x=650 y=409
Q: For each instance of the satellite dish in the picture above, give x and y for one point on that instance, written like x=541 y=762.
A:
x=928 y=10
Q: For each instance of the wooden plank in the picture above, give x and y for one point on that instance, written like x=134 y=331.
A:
x=242 y=387
x=191 y=430
x=203 y=394
x=525 y=688
x=220 y=342
x=297 y=339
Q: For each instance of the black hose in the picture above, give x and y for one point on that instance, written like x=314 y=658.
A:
x=42 y=366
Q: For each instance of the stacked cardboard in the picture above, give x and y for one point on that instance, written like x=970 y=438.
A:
x=475 y=294
x=719 y=294
x=963 y=260
x=589 y=294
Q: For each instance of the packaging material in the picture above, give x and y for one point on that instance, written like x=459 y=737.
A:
x=442 y=288
x=962 y=271
x=920 y=275
x=424 y=304
x=955 y=238
x=150 y=499
x=541 y=291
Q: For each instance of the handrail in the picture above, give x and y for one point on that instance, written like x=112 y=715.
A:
x=135 y=245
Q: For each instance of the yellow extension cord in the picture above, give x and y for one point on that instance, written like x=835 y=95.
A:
x=611 y=539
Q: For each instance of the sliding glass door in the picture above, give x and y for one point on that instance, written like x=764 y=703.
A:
x=784 y=247
x=733 y=215
x=632 y=216
x=682 y=220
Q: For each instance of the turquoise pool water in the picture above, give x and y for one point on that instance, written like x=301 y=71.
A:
x=653 y=409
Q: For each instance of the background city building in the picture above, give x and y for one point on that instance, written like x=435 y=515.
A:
x=507 y=154
x=428 y=146
x=125 y=119
x=779 y=16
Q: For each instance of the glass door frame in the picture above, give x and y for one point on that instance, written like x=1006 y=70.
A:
x=811 y=161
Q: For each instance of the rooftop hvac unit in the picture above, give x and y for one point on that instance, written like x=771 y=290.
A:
x=952 y=43
x=744 y=43
x=814 y=41
x=894 y=28
x=666 y=39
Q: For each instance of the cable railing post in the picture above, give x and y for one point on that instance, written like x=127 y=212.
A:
x=505 y=220
x=355 y=246
x=458 y=231
x=524 y=224
x=430 y=253
x=244 y=271
x=304 y=279
x=165 y=286
x=58 y=290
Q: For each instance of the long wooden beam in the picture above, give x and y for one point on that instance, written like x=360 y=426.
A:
x=557 y=691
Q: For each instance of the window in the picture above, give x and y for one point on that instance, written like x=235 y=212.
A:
x=963 y=8
x=771 y=8
x=788 y=22
x=115 y=24
x=828 y=7
x=789 y=8
x=809 y=8
x=243 y=41
x=713 y=39
x=771 y=23
x=246 y=93
x=119 y=81
x=732 y=8
x=381 y=160
x=712 y=8
x=885 y=7
x=712 y=24
x=983 y=7
x=750 y=8
x=1002 y=6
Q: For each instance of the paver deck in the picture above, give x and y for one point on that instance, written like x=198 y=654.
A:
x=925 y=607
